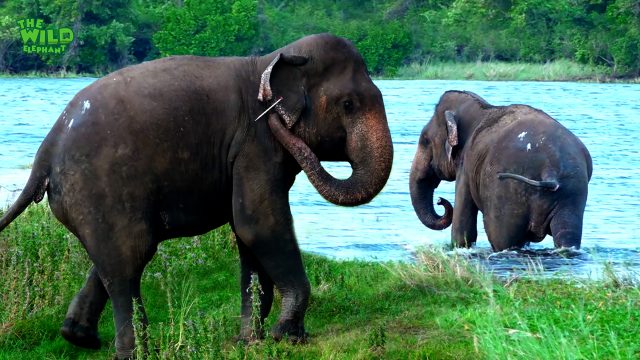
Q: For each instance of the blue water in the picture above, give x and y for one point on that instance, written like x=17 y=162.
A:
x=606 y=117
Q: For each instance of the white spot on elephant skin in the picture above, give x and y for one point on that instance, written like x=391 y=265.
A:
x=521 y=136
x=70 y=124
x=85 y=106
x=541 y=141
x=528 y=146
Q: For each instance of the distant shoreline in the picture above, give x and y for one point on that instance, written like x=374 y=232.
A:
x=558 y=70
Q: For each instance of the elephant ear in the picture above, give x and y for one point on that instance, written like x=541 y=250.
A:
x=452 y=132
x=283 y=78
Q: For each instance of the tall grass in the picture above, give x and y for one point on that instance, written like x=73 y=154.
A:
x=538 y=319
x=442 y=306
x=558 y=70
x=40 y=265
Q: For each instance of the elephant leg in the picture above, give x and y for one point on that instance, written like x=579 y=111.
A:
x=566 y=227
x=120 y=252
x=124 y=291
x=263 y=222
x=283 y=264
x=464 y=227
x=80 y=326
x=506 y=230
x=249 y=264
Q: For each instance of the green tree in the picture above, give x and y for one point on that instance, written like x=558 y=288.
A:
x=477 y=30
x=383 y=46
x=210 y=27
x=8 y=37
x=110 y=34
x=106 y=33
x=624 y=35
x=384 y=43
x=533 y=26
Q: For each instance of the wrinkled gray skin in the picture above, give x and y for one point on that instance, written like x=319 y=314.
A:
x=170 y=148
x=525 y=172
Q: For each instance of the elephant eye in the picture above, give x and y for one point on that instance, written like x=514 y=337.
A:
x=348 y=106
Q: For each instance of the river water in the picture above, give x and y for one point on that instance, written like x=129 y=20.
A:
x=606 y=117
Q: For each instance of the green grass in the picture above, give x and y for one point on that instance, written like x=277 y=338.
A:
x=440 y=307
x=559 y=70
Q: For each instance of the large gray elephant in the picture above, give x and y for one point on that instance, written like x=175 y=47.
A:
x=172 y=148
x=523 y=170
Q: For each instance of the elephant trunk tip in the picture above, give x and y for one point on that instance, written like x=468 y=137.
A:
x=422 y=201
x=444 y=221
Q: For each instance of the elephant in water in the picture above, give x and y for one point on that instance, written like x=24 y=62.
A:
x=523 y=170
x=177 y=147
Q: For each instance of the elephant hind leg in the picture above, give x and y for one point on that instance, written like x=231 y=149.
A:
x=566 y=227
x=80 y=326
x=505 y=232
x=120 y=253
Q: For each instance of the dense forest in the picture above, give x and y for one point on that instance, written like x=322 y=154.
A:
x=110 y=34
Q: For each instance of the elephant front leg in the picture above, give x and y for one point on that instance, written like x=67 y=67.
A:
x=464 y=227
x=263 y=223
x=251 y=327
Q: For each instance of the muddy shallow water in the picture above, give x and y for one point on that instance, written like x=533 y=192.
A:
x=606 y=117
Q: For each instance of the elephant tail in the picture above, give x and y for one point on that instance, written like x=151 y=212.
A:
x=551 y=185
x=33 y=192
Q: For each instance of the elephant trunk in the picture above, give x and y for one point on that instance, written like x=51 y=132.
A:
x=370 y=153
x=422 y=183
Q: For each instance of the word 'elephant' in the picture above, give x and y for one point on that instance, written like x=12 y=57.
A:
x=525 y=172
x=171 y=148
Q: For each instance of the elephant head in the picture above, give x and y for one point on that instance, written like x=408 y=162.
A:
x=332 y=111
x=438 y=155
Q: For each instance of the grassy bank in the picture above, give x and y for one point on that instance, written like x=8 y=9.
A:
x=559 y=70
x=441 y=307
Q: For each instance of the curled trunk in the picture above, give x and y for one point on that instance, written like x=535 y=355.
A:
x=422 y=183
x=370 y=152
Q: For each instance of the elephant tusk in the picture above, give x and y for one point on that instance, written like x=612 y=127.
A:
x=269 y=108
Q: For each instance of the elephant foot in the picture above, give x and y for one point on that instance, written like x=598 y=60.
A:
x=122 y=354
x=248 y=337
x=293 y=331
x=80 y=335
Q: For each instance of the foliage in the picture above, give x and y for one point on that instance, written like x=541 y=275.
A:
x=211 y=27
x=439 y=307
x=389 y=33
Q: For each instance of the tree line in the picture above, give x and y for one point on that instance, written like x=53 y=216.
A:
x=110 y=34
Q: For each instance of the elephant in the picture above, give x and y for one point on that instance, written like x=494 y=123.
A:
x=522 y=169
x=182 y=145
